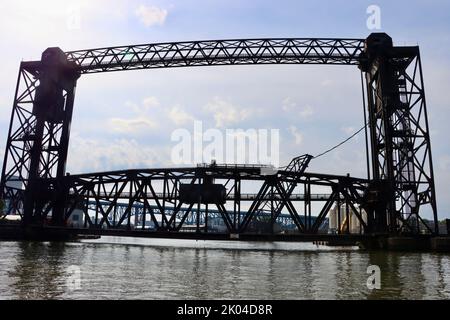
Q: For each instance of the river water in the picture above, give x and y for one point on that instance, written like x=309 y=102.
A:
x=128 y=268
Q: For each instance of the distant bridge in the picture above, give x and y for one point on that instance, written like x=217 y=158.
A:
x=285 y=221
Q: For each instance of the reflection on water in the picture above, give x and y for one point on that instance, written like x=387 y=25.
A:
x=183 y=269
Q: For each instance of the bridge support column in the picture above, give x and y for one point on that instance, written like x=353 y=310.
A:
x=400 y=141
x=40 y=129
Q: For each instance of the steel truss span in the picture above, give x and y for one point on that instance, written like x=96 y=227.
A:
x=234 y=199
x=219 y=52
x=126 y=199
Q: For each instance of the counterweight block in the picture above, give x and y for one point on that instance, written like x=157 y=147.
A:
x=203 y=193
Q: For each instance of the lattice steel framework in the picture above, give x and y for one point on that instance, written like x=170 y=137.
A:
x=115 y=190
x=400 y=141
x=219 y=52
x=33 y=176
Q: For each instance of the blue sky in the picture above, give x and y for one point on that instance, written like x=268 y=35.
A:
x=314 y=107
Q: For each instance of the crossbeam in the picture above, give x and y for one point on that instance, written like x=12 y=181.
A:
x=219 y=52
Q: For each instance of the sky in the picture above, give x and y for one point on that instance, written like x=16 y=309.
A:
x=125 y=120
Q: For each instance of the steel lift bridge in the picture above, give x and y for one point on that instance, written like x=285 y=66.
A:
x=392 y=200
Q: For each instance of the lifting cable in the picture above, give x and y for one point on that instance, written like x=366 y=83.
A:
x=341 y=143
x=356 y=133
x=338 y=145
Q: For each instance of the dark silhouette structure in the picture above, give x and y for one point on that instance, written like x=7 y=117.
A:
x=391 y=200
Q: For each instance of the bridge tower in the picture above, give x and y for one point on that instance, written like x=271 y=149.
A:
x=38 y=137
x=402 y=169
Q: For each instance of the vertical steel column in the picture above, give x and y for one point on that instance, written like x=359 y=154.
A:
x=400 y=141
x=39 y=135
x=15 y=169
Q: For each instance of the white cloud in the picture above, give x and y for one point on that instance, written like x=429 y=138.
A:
x=288 y=105
x=151 y=15
x=226 y=113
x=131 y=125
x=348 y=130
x=45 y=22
x=113 y=155
x=149 y=115
x=179 y=116
x=143 y=121
x=146 y=104
x=298 y=137
x=150 y=102
x=306 y=112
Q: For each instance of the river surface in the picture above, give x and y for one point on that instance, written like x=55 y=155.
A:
x=128 y=268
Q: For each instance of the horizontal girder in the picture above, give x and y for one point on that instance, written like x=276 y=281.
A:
x=215 y=173
x=219 y=52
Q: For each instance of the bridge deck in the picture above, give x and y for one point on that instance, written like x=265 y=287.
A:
x=335 y=238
